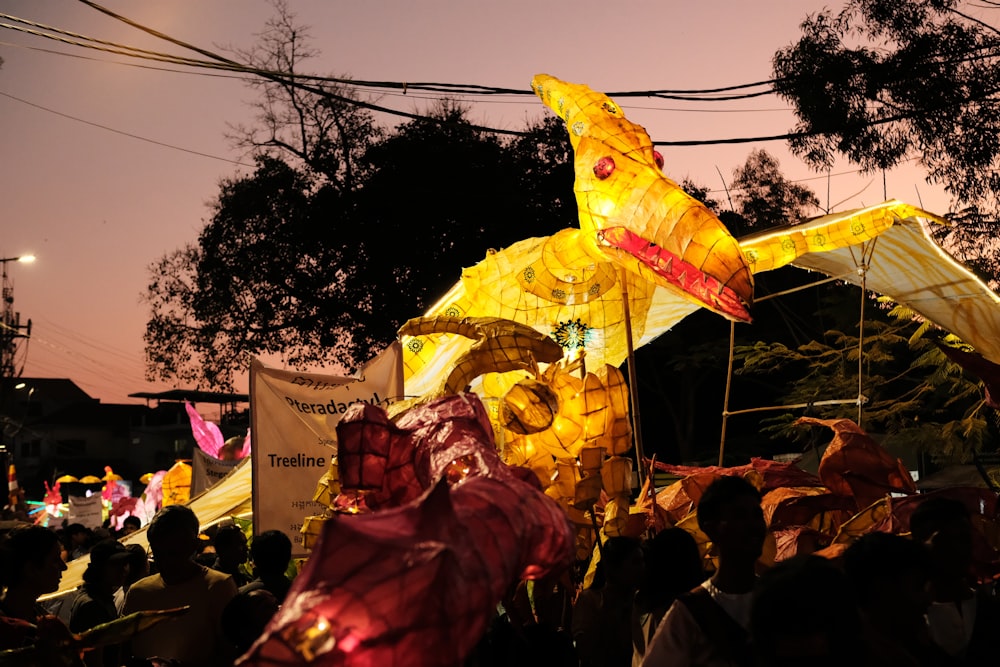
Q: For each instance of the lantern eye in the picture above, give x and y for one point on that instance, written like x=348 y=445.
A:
x=604 y=167
x=658 y=158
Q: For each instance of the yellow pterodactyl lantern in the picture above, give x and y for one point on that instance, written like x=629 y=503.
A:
x=634 y=216
x=646 y=254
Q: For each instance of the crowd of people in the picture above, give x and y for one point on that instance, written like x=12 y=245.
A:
x=887 y=600
x=228 y=591
x=906 y=601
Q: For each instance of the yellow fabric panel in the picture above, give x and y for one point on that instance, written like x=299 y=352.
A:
x=888 y=249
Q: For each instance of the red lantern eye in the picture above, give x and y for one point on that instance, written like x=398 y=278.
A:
x=604 y=167
x=658 y=159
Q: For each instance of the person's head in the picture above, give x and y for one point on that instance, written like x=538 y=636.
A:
x=131 y=524
x=803 y=614
x=621 y=563
x=109 y=563
x=230 y=545
x=173 y=538
x=729 y=513
x=231 y=448
x=271 y=552
x=77 y=535
x=889 y=575
x=246 y=615
x=944 y=526
x=138 y=563
x=30 y=557
x=673 y=564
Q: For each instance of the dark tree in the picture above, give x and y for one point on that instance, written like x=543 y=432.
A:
x=765 y=198
x=883 y=81
x=345 y=229
x=263 y=279
x=441 y=194
x=313 y=125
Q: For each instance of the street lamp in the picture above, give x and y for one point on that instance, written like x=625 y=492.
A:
x=27 y=259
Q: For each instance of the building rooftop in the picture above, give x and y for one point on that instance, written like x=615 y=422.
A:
x=193 y=395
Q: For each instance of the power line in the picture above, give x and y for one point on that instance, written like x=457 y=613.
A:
x=219 y=62
x=291 y=80
x=79 y=56
x=295 y=81
x=243 y=164
x=89 y=341
x=123 y=133
x=462 y=97
x=396 y=92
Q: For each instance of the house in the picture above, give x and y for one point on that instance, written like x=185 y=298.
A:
x=51 y=427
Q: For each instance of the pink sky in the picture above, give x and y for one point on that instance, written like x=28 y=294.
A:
x=97 y=207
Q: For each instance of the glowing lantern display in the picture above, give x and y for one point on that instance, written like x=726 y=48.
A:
x=593 y=412
x=177 y=484
x=529 y=407
x=588 y=489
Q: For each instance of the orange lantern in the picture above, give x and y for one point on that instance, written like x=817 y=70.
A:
x=617 y=475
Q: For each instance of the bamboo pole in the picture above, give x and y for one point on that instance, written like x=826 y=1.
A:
x=729 y=383
x=633 y=388
x=861 y=339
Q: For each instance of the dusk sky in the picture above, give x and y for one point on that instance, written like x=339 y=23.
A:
x=97 y=206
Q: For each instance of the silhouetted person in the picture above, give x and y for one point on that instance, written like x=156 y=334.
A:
x=95 y=603
x=673 y=565
x=246 y=616
x=532 y=626
x=78 y=538
x=231 y=553
x=963 y=617
x=231 y=448
x=31 y=565
x=138 y=568
x=709 y=625
x=130 y=524
x=804 y=615
x=271 y=552
x=193 y=639
x=889 y=575
x=602 y=615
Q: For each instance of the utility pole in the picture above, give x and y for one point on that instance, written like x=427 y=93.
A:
x=10 y=325
x=10 y=338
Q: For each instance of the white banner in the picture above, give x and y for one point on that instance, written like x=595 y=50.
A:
x=87 y=511
x=294 y=418
x=207 y=470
